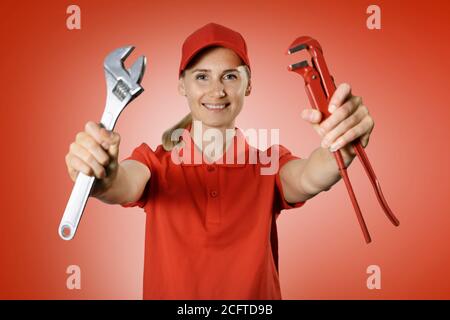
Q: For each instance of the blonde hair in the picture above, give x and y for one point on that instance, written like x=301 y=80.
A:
x=167 y=142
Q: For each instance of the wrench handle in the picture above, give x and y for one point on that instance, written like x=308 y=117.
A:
x=80 y=192
x=123 y=85
x=75 y=206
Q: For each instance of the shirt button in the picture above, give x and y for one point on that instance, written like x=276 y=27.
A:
x=210 y=168
x=213 y=193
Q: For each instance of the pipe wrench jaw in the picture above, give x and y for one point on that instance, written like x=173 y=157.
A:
x=310 y=74
x=303 y=68
x=318 y=63
x=299 y=66
x=305 y=42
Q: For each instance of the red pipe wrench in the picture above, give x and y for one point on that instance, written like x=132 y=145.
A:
x=319 y=85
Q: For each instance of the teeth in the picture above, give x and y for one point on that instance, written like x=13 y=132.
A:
x=214 y=106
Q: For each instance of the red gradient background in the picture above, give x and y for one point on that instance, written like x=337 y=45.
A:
x=53 y=82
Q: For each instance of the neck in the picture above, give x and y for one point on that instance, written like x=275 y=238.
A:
x=202 y=140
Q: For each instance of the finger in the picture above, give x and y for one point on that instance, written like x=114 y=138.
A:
x=359 y=130
x=343 y=91
x=340 y=114
x=99 y=133
x=113 y=150
x=317 y=129
x=78 y=166
x=88 y=143
x=343 y=126
x=72 y=172
x=365 y=138
x=89 y=159
x=312 y=115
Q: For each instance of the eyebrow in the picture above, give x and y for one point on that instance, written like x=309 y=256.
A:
x=208 y=70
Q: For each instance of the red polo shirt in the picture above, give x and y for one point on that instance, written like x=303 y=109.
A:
x=210 y=228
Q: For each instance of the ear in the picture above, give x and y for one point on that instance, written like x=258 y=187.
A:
x=181 y=88
x=249 y=88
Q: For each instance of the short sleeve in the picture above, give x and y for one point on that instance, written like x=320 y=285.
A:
x=280 y=203
x=143 y=154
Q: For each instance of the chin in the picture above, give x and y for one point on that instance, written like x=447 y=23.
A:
x=215 y=120
x=215 y=123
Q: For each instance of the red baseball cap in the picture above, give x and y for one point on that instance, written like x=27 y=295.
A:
x=209 y=35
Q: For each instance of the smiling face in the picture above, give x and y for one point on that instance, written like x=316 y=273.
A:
x=215 y=86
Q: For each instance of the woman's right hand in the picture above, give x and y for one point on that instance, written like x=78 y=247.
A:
x=94 y=152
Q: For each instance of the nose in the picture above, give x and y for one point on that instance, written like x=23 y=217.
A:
x=218 y=89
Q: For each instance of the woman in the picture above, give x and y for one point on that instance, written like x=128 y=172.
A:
x=210 y=230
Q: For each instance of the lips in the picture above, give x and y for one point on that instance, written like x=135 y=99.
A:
x=215 y=106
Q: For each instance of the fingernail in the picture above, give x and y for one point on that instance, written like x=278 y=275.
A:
x=325 y=143
x=331 y=108
x=304 y=114
x=335 y=146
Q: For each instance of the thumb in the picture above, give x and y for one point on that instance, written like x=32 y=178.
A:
x=312 y=115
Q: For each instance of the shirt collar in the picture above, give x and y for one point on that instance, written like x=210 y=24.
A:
x=236 y=154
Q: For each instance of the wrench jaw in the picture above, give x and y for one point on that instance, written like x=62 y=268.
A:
x=130 y=79
x=137 y=70
x=114 y=63
x=123 y=85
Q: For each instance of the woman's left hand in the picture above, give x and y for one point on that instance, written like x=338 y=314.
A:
x=349 y=120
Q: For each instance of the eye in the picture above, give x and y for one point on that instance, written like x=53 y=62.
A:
x=231 y=76
x=200 y=76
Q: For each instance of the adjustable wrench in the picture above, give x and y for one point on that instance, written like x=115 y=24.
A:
x=122 y=87
x=319 y=86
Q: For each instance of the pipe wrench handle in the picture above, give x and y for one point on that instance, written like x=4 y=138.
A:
x=75 y=206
